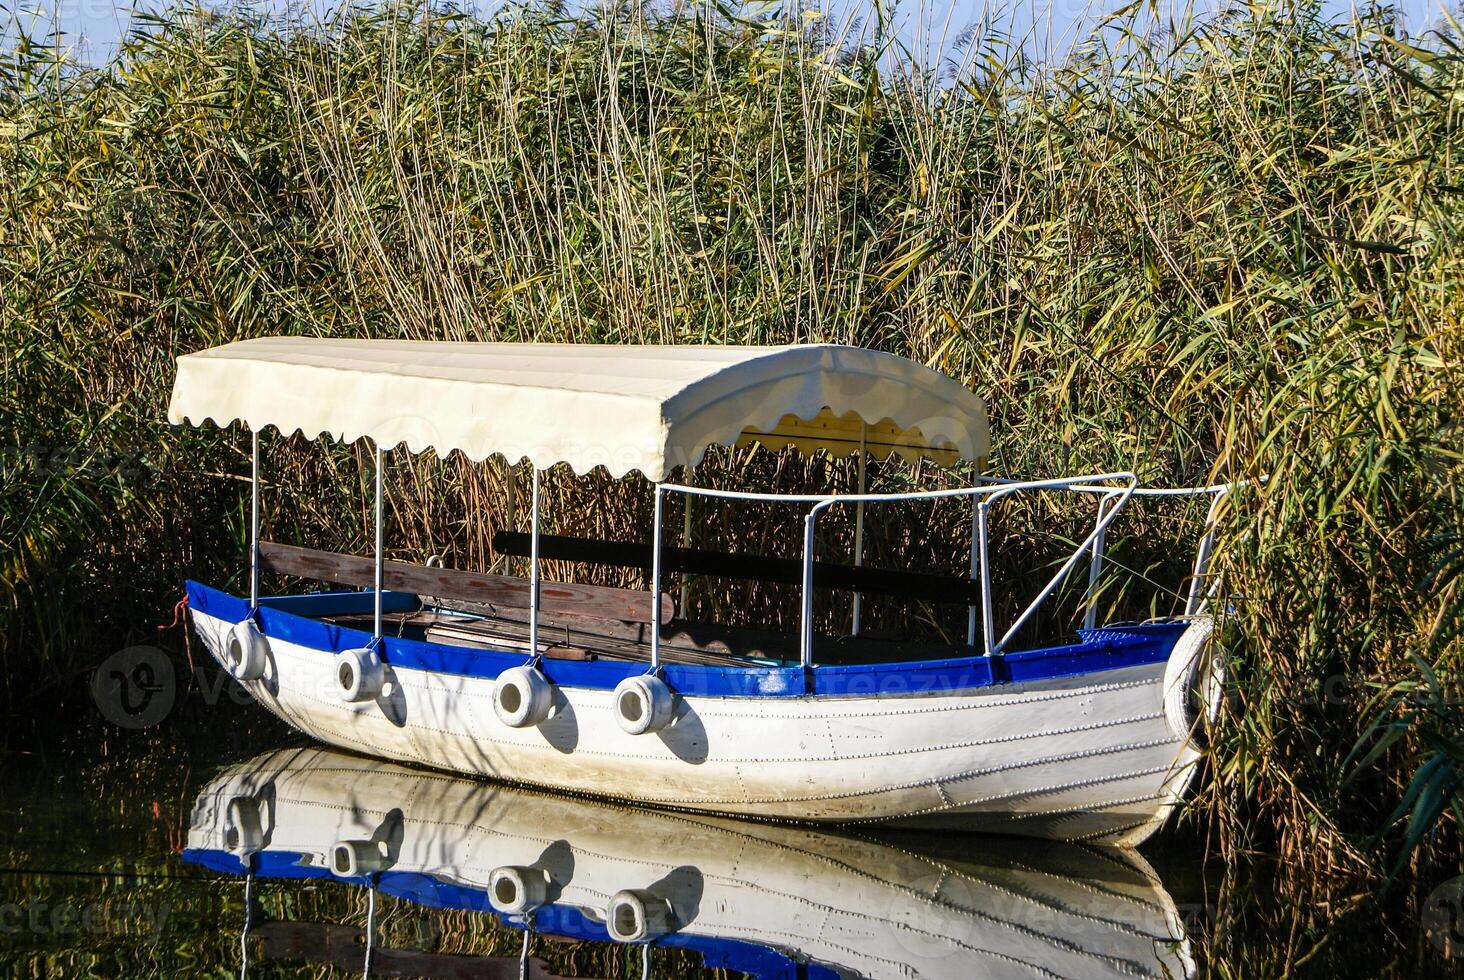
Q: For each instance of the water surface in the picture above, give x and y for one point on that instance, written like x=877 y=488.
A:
x=215 y=841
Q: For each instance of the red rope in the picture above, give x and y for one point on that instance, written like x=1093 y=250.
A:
x=180 y=610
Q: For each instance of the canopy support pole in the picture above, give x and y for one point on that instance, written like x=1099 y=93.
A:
x=805 y=617
x=254 y=521
x=1095 y=565
x=380 y=555
x=656 y=579
x=534 y=562
x=859 y=530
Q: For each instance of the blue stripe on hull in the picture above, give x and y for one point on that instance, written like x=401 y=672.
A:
x=288 y=618
x=568 y=921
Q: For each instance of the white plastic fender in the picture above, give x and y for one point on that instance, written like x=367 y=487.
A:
x=644 y=704
x=635 y=916
x=247 y=653
x=1195 y=673
x=359 y=674
x=515 y=891
x=244 y=828
x=522 y=696
x=354 y=858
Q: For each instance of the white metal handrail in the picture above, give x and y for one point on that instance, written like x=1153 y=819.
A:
x=992 y=493
x=1085 y=483
x=992 y=490
x=1088 y=543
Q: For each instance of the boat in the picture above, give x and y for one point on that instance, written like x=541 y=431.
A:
x=754 y=898
x=606 y=691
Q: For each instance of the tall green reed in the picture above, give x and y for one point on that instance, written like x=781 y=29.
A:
x=1214 y=248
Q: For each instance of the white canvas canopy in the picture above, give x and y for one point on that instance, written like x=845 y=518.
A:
x=627 y=408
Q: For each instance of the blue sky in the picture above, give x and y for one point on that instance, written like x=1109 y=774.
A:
x=90 y=28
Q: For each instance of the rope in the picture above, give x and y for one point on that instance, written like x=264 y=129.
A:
x=180 y=613
x=178 y=610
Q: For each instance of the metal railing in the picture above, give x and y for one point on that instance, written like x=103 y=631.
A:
x=1197 y=597
x=1114 y=491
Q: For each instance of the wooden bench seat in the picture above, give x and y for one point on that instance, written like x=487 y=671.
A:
x=762 y=568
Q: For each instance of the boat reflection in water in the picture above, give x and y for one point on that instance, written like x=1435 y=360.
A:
x=761 y=899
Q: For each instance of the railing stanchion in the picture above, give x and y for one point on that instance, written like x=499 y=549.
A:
x=983 y=541
x=805 y=617
x=370 y=927
x=534 y=561
x=975 y=565
x=1196 y=600
x=249 y=864
x=1121 y=498
x=1095 y=566
x=656 y=580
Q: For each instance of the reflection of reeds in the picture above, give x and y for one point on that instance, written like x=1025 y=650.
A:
x=191 y=923
x=1225 y=250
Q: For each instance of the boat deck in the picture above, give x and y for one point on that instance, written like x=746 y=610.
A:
x=483 y=610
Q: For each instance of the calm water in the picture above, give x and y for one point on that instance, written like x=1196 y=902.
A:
x=215 y=842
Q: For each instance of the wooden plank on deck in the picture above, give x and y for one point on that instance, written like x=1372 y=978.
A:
x=563 y=598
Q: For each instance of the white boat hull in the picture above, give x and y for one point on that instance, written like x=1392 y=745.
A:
x=1098 y=756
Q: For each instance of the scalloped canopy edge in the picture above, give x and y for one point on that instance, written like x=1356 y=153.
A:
x=646 y=409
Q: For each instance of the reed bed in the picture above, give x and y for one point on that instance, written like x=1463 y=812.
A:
x=1202 y=249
